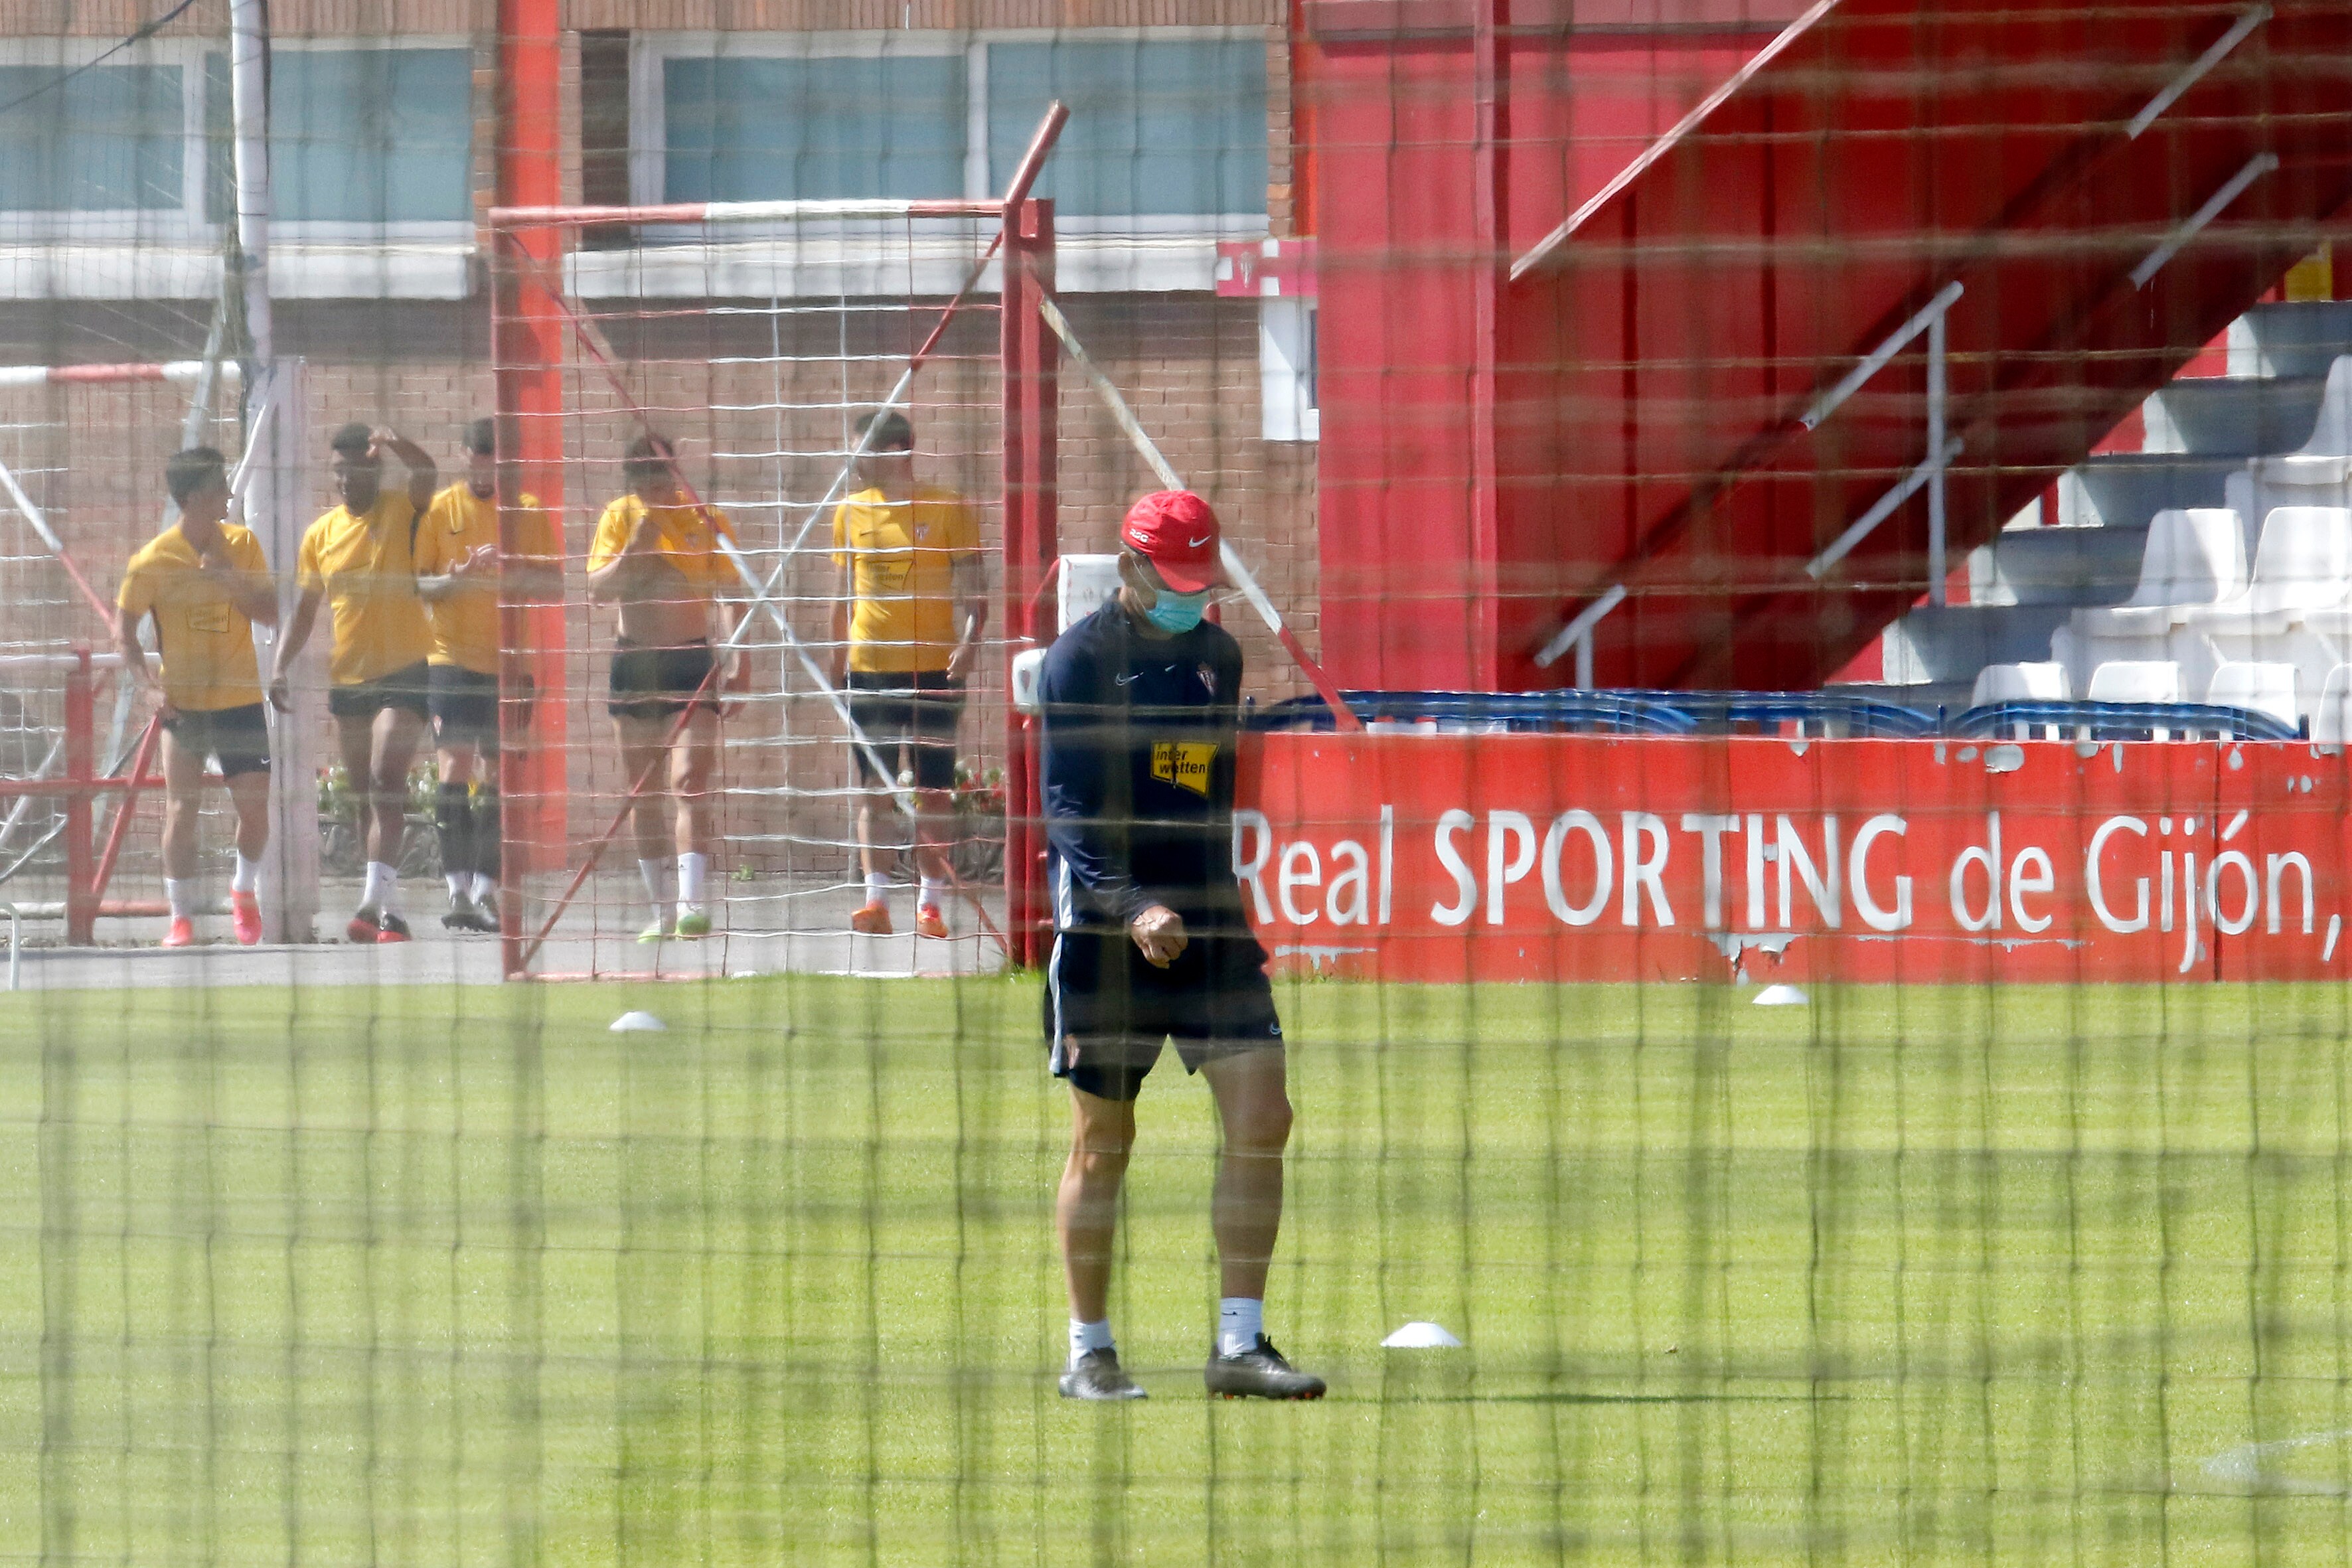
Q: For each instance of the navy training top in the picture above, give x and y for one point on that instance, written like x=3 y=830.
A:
x=1138 y=787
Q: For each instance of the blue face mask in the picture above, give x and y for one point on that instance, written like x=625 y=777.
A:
x=1175 y=612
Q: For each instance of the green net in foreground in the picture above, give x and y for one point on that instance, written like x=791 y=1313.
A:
x=459 y=1276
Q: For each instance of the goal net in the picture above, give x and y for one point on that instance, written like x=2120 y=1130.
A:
x=760 y=341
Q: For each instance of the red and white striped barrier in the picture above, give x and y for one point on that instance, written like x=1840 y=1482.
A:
x=179 y=372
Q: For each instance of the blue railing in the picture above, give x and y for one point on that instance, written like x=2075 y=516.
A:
x=2118 y=721
x=1801 y=713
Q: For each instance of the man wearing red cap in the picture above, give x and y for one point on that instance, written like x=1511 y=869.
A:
x=1141 y=703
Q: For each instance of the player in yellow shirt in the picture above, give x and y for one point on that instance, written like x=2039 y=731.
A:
x=206 y=584
x=458 y=577
x=906 y=636
x=359 y=559
x=657 y=558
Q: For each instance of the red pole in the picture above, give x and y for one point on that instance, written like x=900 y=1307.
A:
x=81 y=893
x=133 y=784
x=1031 y=359
x=526 y=344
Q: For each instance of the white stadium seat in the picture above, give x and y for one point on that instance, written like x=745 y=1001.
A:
x=2302 y=569
x=2194 y=556
x=2331 y=716
x=2260 y=688
x=2135 y=680
x=2021 y=683
x=2318 y=473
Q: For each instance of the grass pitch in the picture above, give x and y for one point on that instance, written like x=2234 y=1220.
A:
x=1924 y=1276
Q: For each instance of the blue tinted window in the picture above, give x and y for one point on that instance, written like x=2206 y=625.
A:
x=889 y=126
x=109 y=139
x=371 y=136
x=1156 y=127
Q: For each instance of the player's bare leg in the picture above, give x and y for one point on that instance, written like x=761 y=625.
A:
x=1086 y=1212
x=934 y=832
x=694 y=764
x=457 y=763
x=376 y=751
x=249 y=795
x=355 y=744
x=1245 y=1214
x=645 y=747
x=873 y=917
x=184 y=785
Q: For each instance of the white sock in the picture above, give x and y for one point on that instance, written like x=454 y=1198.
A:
x=182 y=893
x=691 y=870
x=935 y=894
x=1240 y=1320
x=877 y=888
x=656 y=874
x=248 y=875
x=372 y=893
x=1084 y=1337
x=485 y=887
x=385 y=880
x=459 y=882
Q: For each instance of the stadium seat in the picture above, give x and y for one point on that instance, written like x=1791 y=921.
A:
x=2022 y=683
x=2302 y=569
x=1998 y=683
x=2331 y=715
x=2141 y=680
x=2260 y=688
x=2195 y=555
x=2318 y=473
x=2134 y=681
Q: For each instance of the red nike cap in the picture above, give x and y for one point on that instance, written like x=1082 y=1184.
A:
x=1177 y=532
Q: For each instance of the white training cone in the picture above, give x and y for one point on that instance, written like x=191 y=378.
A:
x=639 y=1023
x=1421 y=1337
x=1779 y=996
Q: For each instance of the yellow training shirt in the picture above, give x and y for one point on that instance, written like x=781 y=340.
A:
x=687 y=542
x=364 y=566
x=206 y=641
x=901 y=561
x=466 y=623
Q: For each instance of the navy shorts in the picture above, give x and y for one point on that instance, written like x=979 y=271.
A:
x=1108 y=1011
x=915 y=709
x=235 y=738
x=465 y=705
x=408 y=688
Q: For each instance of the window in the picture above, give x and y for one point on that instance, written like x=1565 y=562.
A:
x=113 y=139
x=1285 y=343
x=757 y=129
x=1167 y=131
x=359 y=137
x=372 y=137
x=1157 y=127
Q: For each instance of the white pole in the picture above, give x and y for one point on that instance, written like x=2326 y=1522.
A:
x=1935 y=344
x=271 y=471
x=249 y=37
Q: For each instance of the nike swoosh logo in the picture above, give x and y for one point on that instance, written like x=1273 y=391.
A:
x=1199 y=541
x=1127 y=679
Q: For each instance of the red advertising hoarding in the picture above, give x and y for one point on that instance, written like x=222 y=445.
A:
x=1495 y=857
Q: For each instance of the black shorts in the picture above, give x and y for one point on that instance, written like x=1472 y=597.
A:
x=1107 y=1010
x=917 y=709
x=235 y=738
x=408 y=688
x=465 y=705
x=659 y=682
